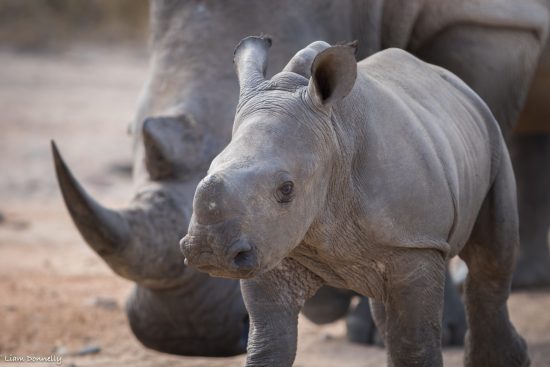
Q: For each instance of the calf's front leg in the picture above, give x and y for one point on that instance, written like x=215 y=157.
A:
x=273 y=301
x=413 y=308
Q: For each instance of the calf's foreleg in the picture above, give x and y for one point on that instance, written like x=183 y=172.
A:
x=273 y=301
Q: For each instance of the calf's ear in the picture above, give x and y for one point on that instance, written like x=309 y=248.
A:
x=333 y=74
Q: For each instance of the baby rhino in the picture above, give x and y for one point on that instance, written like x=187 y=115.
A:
x=367 y=176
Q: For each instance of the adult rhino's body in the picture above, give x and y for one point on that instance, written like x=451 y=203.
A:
x=185 y=115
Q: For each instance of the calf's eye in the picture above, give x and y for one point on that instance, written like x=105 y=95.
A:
x=285 y=192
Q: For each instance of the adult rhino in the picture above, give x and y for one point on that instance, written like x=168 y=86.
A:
x=185 y=116
x=184 y=119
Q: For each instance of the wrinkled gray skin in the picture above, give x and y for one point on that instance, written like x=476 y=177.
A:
x=368 y=177
x=185 y=117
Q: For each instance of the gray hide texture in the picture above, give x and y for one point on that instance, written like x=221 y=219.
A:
x=368 y=177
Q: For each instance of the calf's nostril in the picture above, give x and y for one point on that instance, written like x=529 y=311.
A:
x=244 y=259
x=241 y=256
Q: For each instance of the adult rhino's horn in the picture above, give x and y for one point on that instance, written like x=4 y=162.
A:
x=302 y=61
x=105 y=230
x=250 y=58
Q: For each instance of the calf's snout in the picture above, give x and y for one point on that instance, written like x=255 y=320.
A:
x=215 y=243
x=217 y=256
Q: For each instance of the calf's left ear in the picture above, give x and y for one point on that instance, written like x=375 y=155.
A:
x=333 y=74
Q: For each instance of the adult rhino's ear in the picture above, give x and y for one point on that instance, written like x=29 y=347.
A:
x=174 y=146
x=333 y=74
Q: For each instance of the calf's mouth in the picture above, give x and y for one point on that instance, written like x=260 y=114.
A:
x=237 y=260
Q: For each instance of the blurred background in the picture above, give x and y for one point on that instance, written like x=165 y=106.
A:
x=72 y=71
x=59 y=24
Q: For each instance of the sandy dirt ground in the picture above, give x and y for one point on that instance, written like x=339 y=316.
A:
x=56 y=295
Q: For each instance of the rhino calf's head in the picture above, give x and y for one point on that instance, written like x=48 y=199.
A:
x=266 y=188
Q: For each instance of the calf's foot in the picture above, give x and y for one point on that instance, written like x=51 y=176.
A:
x=505 y=348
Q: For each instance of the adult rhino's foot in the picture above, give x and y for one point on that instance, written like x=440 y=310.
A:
x=360 y=327
x=454 y=318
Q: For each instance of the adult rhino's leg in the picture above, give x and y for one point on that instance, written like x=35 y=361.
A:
x=531 y=158
x=328 y=305
x=454 y=317
x=360 y=325
x=378 y=312
x=490 y=254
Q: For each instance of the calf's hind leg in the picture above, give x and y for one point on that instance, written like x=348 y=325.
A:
x=490 y=255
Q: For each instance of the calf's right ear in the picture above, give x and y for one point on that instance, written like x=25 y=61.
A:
x=333 y=74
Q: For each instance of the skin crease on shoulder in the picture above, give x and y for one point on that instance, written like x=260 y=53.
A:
x=363 y=176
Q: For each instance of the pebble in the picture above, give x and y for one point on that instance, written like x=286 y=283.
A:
x=89 y=349
x=107 y=303
x=123 y=169
x=61 y=350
